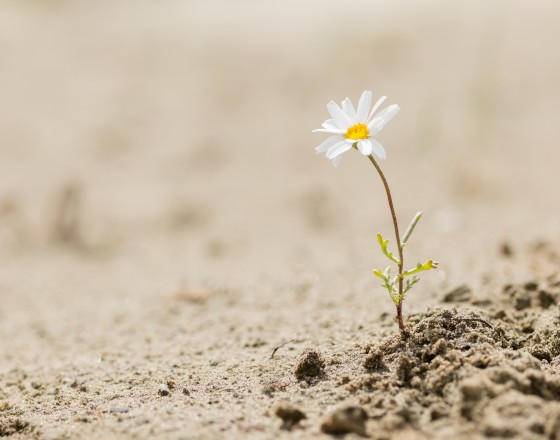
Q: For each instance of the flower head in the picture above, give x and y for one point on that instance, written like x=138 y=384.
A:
x=355 y=128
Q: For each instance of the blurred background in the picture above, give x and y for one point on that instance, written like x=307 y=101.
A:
x=155 y=150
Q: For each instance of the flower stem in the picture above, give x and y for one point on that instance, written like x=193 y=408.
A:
x=397 y=238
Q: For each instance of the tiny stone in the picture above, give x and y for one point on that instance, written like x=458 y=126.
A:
x=163 y=390
x=120 y=410
x=186 y=392
x=506 y=250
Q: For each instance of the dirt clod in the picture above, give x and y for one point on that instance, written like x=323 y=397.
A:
x=12 y=426
x=457 y=367
x=350 y=419
x=310 y=365
x=462 y=293
x=290 y=415
x=374 y=362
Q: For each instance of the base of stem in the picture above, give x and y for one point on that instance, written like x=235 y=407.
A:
x=400 y=317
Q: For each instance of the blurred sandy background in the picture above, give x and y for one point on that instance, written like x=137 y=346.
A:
x=160 y=196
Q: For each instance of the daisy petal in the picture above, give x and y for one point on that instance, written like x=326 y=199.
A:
x=349 y=110
x=329 y=130
x=375 y=107
x=330 y=126
x=340 y=117
x=336 y=161
x=364 y=106
x=378 y=149
x=327 y=143
x=365 y=147
x=382 y=118
x=388 y=112
x=374 y=126
x=329 y=122
x=337 y=149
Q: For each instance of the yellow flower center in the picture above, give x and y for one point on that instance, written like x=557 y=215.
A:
x=357 y=132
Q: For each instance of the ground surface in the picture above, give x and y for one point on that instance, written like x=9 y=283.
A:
x=165 y=225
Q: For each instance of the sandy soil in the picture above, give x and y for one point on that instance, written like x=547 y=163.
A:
x=165 y=225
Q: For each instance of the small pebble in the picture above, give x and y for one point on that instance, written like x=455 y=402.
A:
x=163 y=390
x=121 y=410
x=506 y=250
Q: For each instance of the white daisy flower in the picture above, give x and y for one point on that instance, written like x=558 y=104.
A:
x=350 y=128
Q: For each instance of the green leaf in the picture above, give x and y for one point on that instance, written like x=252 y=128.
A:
x=388 y=282
x=409 y=284
x=430 y=264
x=410 y=228
x=387 y=272
x=392 y=293
x=383 y=243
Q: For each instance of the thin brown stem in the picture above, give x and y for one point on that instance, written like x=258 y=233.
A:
x=399 y=316
x=397 y=238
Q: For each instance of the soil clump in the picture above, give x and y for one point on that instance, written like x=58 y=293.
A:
x=459 y=371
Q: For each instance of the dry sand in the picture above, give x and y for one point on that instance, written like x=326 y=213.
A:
x=165 y=225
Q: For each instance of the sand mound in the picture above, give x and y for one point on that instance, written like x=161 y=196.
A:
x=458 y=372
